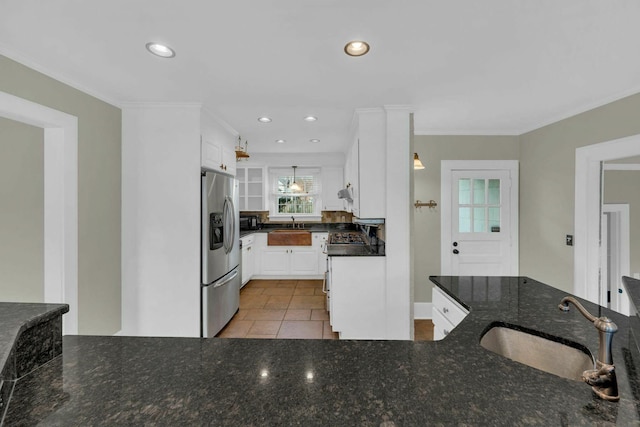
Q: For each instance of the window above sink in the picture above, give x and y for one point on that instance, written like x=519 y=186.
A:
x=304 y=202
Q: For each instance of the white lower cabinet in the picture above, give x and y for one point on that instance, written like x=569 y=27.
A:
x=447 y=313
x=288 y=261
x=358 y=306
x=248 y=259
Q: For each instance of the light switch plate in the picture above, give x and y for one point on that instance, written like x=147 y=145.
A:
x=569 y=240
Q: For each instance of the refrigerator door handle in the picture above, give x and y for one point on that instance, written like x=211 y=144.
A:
x=227 y=280
x=229 y=224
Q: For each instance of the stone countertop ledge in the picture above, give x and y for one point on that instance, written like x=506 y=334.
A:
x=231 y=382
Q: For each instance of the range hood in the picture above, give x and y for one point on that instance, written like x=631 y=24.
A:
x=368 y=221
x=345 y=194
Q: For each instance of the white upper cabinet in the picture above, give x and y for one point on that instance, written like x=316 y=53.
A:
x=367 y=166
x=217 y=143
x=332 y=182
x=218 y=156
x=252 y=187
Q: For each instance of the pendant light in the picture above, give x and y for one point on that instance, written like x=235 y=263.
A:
x=294 y=187
x=417 y=164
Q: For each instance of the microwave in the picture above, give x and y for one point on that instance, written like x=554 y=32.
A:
x=249 y=222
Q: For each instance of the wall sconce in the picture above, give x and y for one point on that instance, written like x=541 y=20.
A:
x=417 y=164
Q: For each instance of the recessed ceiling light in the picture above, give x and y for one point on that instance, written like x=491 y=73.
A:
x=356 y=48
x=264 y=119
x=160 y=50
x=314 y=140
x=280 y=141
x=310 y=118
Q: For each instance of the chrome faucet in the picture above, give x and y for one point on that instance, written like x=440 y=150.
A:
x=602 y=379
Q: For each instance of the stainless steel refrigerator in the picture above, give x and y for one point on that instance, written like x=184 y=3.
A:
x=220 y=283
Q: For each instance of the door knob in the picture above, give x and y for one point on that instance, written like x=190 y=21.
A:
x=455 y=251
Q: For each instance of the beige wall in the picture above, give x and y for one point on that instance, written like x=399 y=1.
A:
x=21 y=212
x=622 y=187
x=99 y=153
x=547 y=185
x=433 y=149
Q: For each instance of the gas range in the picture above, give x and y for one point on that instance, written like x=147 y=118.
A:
x=346 y=238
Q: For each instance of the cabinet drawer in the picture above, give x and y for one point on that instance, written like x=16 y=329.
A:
x=441 y=326
x=247 y=240
x=450 y=309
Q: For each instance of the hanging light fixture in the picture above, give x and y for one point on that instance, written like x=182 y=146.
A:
x=295 y=187
x=417 y=164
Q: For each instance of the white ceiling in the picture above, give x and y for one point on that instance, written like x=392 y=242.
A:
x=466 y=66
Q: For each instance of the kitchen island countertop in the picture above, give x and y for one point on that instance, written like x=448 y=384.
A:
x=191 y=381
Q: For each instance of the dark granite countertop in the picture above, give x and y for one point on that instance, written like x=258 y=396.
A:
x=191 y=381
x=18 y=317
x=354 y=250
x=324 y=227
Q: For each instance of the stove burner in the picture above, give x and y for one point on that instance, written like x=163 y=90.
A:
x=348 y=238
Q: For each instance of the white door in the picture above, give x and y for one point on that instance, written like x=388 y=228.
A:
x=615 y=256
x=479 y=219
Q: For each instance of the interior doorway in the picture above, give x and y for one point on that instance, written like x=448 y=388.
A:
x=587 y=214
x=615 y=256
x=60 y=199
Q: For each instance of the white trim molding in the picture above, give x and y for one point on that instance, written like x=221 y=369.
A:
x=588 y=194
x=621 y=167
x=422 y=310
x=60 y=200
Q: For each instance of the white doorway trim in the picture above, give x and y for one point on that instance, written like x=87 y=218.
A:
x=446 y=167
x=60 y=200
x=618 y=253
x=586 y=254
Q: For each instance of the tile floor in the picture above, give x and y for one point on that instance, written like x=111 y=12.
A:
x=289 y=309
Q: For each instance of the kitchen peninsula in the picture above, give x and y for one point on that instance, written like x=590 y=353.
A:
x=190 y=381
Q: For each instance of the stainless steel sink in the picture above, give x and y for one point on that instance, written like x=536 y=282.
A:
x=545 y=352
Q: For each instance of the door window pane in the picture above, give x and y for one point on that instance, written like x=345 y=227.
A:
x=464 y=220
x=479 y=220
x=478 y=191
x=464 y=191
x=494 y=220
x=494 y=192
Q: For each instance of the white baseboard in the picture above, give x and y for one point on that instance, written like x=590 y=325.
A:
x=299 y=277
x=117 y=334
x=422 y=310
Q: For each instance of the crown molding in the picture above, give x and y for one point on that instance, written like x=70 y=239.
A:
x=407 y=108
x=466 y=132
x=130 y=105
x=36 y=66
x=579 y=110
x=226 y=126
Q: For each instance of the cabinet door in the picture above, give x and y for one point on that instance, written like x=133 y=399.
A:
x=303 y=260
x=320 y=243
x=255 y=189
x=355 y=177
x=246 y=275
x=250 y=266
x=211 y=155
x=229 y=160
x=332 y=182
x=358 y=297
x=274 y=260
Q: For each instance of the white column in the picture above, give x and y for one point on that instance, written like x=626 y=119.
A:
x=399 y=219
